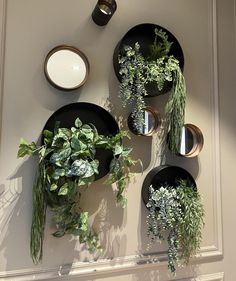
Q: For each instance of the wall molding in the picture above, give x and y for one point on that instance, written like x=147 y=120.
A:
x=211 y=277
x=218 y=239
x=3 y=7
x=128 y=263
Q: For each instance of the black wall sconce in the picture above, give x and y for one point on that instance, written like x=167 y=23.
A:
x=103 y=11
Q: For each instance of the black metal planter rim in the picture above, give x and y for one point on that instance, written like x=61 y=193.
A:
x=88 y=113
x=144 y=35
x=164 y=175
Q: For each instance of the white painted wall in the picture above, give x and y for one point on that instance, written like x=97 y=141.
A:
x=206 y=32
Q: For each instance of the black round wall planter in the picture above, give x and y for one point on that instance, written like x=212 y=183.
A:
x=164 y=175
x=89 y=114
x=144 y=34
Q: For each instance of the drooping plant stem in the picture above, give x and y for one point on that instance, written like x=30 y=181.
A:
x=175 y=110
x=38 y=216
x=176 y=215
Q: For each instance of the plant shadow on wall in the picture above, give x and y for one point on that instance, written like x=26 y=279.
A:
x=108 y=219
x=16 y=214
x=67 y=164
x=10 y=195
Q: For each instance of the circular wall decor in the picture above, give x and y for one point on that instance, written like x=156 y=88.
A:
x=103 y=11
x=66 y=68
x=89 y=114
x=191 y=141
x=144 y=34
x=164 y=175
x=151 y=122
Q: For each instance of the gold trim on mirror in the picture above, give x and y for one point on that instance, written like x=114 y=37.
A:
x=191 y=142
x=152 y=122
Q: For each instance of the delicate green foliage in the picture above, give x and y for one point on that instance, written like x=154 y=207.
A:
x=176 y=215
x=160 y=67
x=160 y=48
x=67 y=160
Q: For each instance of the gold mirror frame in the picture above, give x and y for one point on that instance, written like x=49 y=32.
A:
x=198 y=141
x=74 y=50
x=157 y=121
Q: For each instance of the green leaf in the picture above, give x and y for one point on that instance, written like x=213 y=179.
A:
x=87 y=132
x=42 y=152
x=115 y=166
x=86 y=181
x=84 y=216
x=78 y=123
x=59 y=233
x=53 y=187
x=26 y=149
x=59 y=173
x=102 y=141
x=126 y=151
x=118 y=149
x=59 y=139
x=83 y=145
x=48 y=136
x=63 y=189
x=60 y=155
x=75 y=143
x=80 y=154
x=95 y=165
x=23 y=141
x=64 y=132
x=89 y=171
x=79 y=167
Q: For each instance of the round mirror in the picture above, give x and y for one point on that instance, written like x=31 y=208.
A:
x=191 y=141
x=66 y=68
x=151 y=123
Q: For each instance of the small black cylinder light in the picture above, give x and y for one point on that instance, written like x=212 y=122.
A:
x=103 y=11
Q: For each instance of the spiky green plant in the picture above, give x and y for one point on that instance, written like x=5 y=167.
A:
x=176 y=215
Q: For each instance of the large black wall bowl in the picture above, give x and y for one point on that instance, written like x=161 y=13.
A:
x=144 y=34
x=164 y=175
x=89 y=114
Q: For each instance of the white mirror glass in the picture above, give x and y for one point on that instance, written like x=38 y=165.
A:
x=149 y=123
x=187 y=141
x=66 y=69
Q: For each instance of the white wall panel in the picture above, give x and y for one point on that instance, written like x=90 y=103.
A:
x=32 y=29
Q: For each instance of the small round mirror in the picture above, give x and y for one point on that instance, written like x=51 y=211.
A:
x=191 y=141
x=66 y=68
x=151 y=123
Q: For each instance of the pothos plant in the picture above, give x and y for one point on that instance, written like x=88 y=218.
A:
x=159 y=67
x=67 y=163
x=176 y=215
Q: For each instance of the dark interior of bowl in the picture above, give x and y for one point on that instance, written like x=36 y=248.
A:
x=162 y=176
x=144 y=35
x=89 y=114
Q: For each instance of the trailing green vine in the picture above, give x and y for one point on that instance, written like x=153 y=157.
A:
x=67 y=163
x=176 y=215
x=137 y=71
